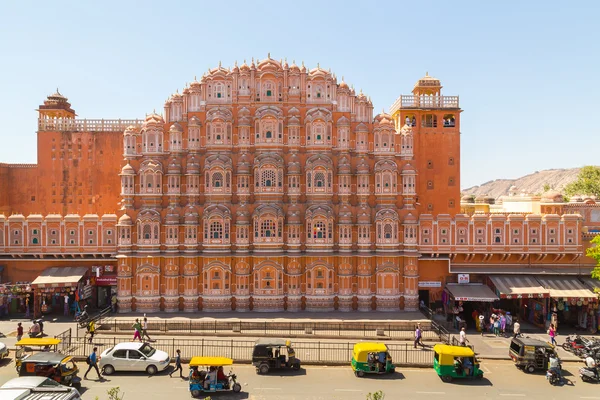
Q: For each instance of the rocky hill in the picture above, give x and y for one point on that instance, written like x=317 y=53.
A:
x=557 y=179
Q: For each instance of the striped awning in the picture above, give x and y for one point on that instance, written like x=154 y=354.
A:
x=518 y=287
x=591 y=283
x=566 y=287
x=56 y=277
x=471 y=292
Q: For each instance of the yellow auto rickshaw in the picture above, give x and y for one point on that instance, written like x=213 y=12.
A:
x=204 y=377
x=371 y=358
x=451 y=362
x=28 y=346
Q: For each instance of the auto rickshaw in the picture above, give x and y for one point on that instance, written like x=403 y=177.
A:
x=371 y=358
x=52 y=365
x=530 y=355
x=452 y=362
x=203 y=376
x=28 y=346
x=269 y=354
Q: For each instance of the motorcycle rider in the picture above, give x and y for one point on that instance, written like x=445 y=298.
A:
x=590 y=363
x=554 y=365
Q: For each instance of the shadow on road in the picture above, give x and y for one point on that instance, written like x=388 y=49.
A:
x=385 y=377
x=287 y=372
x=471 y=382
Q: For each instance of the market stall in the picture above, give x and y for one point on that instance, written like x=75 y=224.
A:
x=523 y=296
x=462 y=299
x=15 y=299
x=59 y=290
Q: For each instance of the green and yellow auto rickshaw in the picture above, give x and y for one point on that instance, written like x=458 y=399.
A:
x=455 y=362
x=371 y=358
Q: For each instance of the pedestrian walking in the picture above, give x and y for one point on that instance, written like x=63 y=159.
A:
x=516 y=328
x=552 y=333
x=92 y=362
x=137 y=329
x=19 y=331
x=66 y=305
x=497 y=327
x=91 y=328
x=482 y=323
x=177 y=365
x=502 y=323
x=418 y=336
x=145 y=329
x=27 y=307
x=113 y=303
x=462 y=337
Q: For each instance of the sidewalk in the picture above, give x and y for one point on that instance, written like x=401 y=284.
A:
x=491 y=347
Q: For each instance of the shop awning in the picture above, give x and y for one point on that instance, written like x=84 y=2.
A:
x=59 y=277
x=518 y=287
x=471 y=292
x=591 y=283
x=566 y=287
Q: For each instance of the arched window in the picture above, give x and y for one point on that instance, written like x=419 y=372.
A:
x=217 y=179
x=268 y=228
x=219 y=90
x=216 y=230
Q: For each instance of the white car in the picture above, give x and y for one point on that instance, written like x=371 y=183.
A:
x=133 y=356
x=3 y=351
x=29 y=382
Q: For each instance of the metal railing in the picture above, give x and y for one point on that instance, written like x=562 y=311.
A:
x=350 y=329
x=66 y=341
x=313 y=352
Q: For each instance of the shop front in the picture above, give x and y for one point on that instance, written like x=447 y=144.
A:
x=15 y=300
x=464 y=300
x=105 y=283
x=61 y=290
x=523 y=296
x=571 y=303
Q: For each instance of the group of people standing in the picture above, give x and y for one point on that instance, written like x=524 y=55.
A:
x=498 y=324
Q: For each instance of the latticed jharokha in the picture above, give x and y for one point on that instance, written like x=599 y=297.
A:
x=261 y=187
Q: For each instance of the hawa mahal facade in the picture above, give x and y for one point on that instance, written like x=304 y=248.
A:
x=268 y=187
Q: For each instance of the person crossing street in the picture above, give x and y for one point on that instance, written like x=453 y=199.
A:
x=92 y=362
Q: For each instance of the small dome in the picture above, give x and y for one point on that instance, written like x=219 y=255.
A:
x=191 y=215
x=345 y=215
x=172 y=216
x=127 y=170
x=125 y=220
x=192 y=166
x=294 y=165
x=294 y=214
x=552 y=196
x=468 y=198
x=364 y=216
x=176 y=128
x=383 y=119
x=344 y=166
x=131 y=130
x=362 y=167
x=428 y=81
x=294 y=67
x=174 y=167
x=154 y=120
x=243 y=166
x=242 y=214
x=343 y=85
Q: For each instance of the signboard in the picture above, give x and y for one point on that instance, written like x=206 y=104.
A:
x=87 y=292
x=109 y=268
x=106 y=280
x=430 y=284
x=463 y=278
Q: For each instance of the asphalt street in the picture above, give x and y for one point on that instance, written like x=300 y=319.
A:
x=501 y=381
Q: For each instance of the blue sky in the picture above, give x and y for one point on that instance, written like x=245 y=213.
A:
x=527 y=71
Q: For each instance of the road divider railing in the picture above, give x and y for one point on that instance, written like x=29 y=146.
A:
x=400 y=330
x=309 y=352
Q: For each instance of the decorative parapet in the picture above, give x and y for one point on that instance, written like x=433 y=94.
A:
x=87 y=125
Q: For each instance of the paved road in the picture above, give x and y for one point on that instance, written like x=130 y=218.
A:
x=502 y=381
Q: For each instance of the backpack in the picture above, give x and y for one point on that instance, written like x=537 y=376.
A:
x=88 y=360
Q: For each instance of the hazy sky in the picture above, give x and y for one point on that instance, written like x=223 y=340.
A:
x=527 y=72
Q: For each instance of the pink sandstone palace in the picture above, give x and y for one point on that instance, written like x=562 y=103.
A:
x=271 y=187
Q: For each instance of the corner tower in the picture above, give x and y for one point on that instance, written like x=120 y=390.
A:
x=435 y=122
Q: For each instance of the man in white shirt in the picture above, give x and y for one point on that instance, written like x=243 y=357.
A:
x=66 y=305
x=145 y=329
x=590 y=363
x=463 y=337
x=516 y=328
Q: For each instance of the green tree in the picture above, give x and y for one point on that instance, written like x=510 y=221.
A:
x=587 y=183
x=546 y=188
x=594 y=252
x=378 y=395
